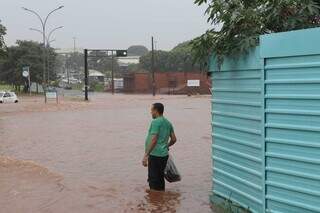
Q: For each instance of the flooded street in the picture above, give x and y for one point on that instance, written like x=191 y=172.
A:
x=86 y=157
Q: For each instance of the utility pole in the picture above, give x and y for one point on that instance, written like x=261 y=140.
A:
x=74 y=45
x=86 y=82
x=112 y=74
x=152 y=68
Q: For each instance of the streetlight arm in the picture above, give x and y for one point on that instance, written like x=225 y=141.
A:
x=45 y=21
x=39 y=31
x=34 y=12
x=49 y=36
x=33 y=29
x=53 y=40
x=52 y=31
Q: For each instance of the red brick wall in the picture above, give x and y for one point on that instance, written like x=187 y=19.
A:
x=143 y=83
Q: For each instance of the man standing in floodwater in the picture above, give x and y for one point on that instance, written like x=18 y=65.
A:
x=160 y=137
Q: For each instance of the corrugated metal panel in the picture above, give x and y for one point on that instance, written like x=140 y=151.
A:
x=292 y=130
x=294 y=43
x=292 y=121
x=266 y=125
x=237 y=124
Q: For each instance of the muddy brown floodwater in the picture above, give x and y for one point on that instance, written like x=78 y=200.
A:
x=86 y=157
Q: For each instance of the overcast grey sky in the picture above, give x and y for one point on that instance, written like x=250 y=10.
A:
x=107 y=23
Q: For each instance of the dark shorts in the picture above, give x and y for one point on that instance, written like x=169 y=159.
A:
x=156 y=166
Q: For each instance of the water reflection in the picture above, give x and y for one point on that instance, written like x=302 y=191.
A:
x=155 y=202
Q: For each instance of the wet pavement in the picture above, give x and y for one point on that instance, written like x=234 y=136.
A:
x=86 y=157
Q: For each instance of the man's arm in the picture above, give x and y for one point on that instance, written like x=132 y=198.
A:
x=153 y=144
x=149 y=149
x=173 y=139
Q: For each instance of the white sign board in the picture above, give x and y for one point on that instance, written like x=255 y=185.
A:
x=118 y=83
x=193 y=83
x=51 y=95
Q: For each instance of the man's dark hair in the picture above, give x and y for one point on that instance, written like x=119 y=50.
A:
x=159 y=107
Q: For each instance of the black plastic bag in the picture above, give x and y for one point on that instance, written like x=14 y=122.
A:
x=171 y=173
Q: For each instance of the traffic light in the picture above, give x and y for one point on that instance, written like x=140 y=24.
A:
x=122 y=53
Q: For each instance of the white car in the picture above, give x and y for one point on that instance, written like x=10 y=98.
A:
x=8 y=97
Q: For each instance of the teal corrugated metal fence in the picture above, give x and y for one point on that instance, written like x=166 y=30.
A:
x=266 y=125
x=236 y=116
x=292 y=121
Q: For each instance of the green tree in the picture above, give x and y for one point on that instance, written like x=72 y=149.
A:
x=137 y=50
x=134 y=68
x=2 y=46
x=103 y=63
x=75 y=61
x=242 y=21
x=2 y=34
x=180 y=58
x=183 y=47
x=26 y=53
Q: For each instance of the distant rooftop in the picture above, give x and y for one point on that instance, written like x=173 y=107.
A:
x=125 y=61
x=68 y=50
x=95 y=73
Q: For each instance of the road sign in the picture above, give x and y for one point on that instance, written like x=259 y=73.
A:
x=51 y=95
x=25 y=72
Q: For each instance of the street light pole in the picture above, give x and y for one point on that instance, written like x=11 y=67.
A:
x=43 y=24
x=48 y=42
x=48 y=45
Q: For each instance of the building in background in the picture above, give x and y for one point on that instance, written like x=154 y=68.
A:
x=124 y=62
x=96 y=76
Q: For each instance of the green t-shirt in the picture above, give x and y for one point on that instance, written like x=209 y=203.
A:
x=163 y=129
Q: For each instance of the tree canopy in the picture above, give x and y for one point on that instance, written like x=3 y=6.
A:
x=2 y=34
x=137 y=50
x=26 y=53
x=103 y=63
x=75 y=60
x=180 y=58
x=183 y=47
x=240 y=22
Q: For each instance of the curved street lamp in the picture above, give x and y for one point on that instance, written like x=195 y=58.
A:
x=48 y=45
x=43 y=24
x=52 y=31
x=49 y=35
